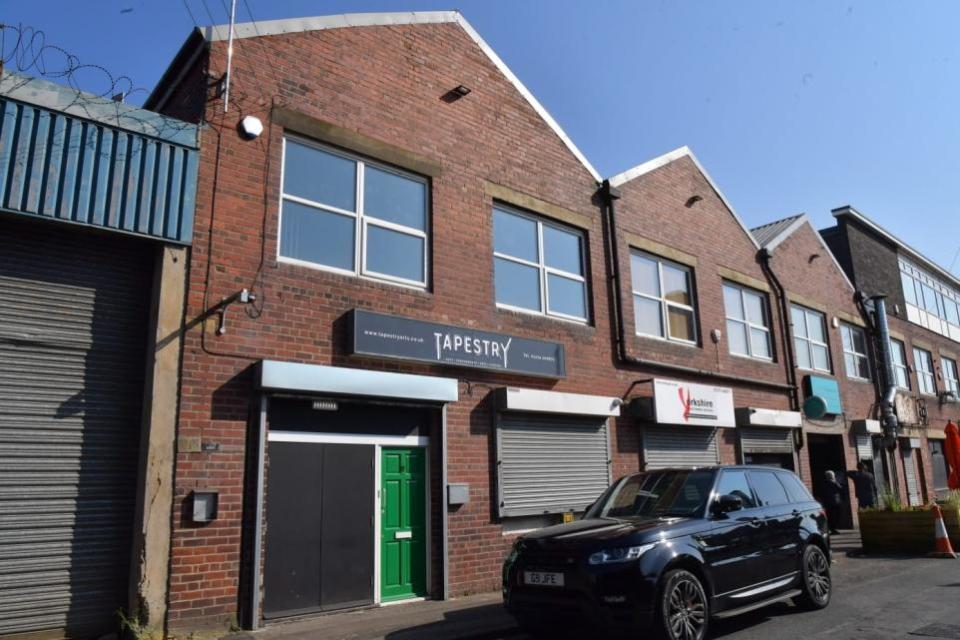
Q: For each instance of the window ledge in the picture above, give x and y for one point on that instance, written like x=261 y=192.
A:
x=522 y=315
x=286 y=263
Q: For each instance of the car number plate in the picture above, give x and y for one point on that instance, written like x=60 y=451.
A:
x=543 y=578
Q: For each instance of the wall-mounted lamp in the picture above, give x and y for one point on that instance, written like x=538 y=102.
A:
x=250 y=127
x=243 y=296
x=456 y=93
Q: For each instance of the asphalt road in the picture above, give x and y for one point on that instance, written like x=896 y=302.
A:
x=875 y=598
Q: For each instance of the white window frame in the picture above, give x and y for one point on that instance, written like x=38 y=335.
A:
x=951 y=379
x=851 y=329
x=361 y=220
x=810 y=342
x=544 y=271
x=923 y=364
x=898 y=346
x=745 y=321
x=665 y=304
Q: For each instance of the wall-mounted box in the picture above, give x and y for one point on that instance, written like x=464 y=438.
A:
x=458 y=494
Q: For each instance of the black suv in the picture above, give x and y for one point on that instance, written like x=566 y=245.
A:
x=674 y=548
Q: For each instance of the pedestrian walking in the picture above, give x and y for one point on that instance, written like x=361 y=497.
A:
x=832 y=499
x=864 y=486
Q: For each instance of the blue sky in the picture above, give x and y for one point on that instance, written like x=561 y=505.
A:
x=791 y=106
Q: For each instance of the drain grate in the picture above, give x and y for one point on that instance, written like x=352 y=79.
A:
x=950 y=631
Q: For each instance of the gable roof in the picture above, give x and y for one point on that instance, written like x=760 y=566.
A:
x=673 y=156
x=769 y=236
x=221 y=32
x=848 y=211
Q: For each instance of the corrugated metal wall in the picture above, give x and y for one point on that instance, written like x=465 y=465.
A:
x=73 y=340
x=551 y=464
x=63 y=167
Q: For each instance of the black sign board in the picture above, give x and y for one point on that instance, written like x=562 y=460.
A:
x=375 y=334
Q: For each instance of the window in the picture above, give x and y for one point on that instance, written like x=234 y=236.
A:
x=924 y=292
x=951 y=382
x=855 y=352
x=900 y=370
x=923 y=361
x=657 y=493
x=769 y=490
x=735 y=483
x=538 y=266
x=795 y=489
x=810 y=339
x=748 y=322
x=345 y=214
x=662 y=299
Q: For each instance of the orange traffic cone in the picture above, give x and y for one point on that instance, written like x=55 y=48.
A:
x=944 y=549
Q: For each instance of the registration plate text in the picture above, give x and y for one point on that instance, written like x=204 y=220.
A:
x=543 y=578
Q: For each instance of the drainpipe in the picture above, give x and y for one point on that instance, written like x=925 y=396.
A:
x=789 y=357
x=887 y=412
x=610 y=195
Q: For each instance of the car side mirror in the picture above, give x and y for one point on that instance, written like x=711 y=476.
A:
x=727 y=503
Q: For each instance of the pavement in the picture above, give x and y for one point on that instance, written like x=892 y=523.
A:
x=874 y=597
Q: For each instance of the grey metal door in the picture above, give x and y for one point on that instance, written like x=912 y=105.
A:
x=685 y=447
x=73 y=331
x=914 y=498
x=551 y=464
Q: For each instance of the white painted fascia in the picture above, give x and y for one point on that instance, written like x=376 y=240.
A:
x=539 y=401
x=299 y=25
x=853 y=213
x=671 y=156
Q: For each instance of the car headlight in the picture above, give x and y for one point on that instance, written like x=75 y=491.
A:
x=621 y=554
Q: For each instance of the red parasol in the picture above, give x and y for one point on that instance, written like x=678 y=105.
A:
x=952 y=454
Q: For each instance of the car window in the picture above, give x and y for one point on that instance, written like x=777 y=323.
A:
x=658 y=493
x=795 y=488
x=735 y=483
x=769 y=490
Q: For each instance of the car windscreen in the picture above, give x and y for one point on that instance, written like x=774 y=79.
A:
x=673 y=493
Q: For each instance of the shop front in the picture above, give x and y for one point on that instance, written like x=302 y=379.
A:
x=768 y=437
x=680 y=423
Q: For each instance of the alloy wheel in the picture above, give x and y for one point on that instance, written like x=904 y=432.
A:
x=687 y=610
x=818 y=575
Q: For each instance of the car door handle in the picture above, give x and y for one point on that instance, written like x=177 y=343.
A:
x=756 y=523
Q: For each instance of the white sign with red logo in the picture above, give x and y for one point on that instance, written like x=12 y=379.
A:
x=693 y=404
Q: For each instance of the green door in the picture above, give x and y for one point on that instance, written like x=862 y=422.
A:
x=403 y=557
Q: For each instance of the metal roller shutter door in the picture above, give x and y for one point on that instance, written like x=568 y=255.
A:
x=683 y=447
x=753 y=440
x=864 y=447
x=73 y=327
x=551 y=464
x=910 y=471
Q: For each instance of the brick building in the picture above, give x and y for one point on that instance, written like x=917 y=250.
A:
x=415 y=304
x=831 y=348
x=922 y=309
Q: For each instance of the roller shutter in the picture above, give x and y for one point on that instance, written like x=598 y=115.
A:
x=910 y=471
x=754 y=440
x=683 y=447
x=73 y=327
x=864 y=447
x=551 y=464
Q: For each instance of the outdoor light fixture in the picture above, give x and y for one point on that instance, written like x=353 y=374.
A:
x=456 y=93
x=203 y=506
x=461 y=90
x=250 y=127
x=692 y=200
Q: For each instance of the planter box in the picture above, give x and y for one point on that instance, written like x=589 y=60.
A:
x=904 y=531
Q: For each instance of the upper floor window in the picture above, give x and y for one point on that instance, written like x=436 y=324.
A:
x=855 y=352
x=810 y=339
x=663 y=304
x=538 y=266
x=923 y=361
x=900 y=369
x=748 y=322
x=930 y=301
x=951 y=381
x=345 y=214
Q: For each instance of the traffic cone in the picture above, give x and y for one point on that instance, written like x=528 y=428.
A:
x=943 y=547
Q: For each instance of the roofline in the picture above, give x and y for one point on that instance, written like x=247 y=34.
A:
x=216 y=33
x=847 y=210
x=672 y=156
x=792 y=228
x=178 y=67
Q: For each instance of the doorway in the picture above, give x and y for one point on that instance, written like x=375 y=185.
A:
x=826 y=453
x=403 y=543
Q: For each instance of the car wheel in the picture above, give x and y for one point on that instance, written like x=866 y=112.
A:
x=684 y=612
x=817 y=584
